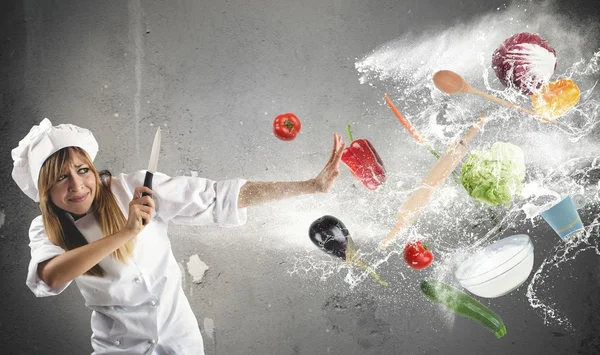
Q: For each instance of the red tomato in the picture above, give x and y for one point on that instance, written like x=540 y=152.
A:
x=417 y=255
x=286 y=126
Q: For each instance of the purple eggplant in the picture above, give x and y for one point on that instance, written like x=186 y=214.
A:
x=330 y=235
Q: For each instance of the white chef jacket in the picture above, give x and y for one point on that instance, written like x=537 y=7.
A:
x=139 y=307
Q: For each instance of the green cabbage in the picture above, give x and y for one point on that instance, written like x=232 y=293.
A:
x=496 y=175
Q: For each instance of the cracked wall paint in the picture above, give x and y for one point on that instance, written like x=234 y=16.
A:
x=196 y=268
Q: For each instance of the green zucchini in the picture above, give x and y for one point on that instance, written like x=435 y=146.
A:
x=464 y=305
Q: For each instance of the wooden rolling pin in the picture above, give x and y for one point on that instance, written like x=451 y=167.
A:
x=445 y=165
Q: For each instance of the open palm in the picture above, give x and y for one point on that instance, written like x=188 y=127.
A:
x=324 y=181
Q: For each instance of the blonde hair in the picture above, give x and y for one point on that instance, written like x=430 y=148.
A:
x=60 y=229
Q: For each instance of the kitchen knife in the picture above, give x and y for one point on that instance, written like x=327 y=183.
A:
x=152 y=164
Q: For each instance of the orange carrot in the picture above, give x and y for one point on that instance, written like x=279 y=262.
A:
x=412 y=130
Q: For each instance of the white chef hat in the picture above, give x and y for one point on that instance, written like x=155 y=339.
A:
x=41 y=142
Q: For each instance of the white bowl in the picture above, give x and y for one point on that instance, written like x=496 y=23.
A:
x=499 y=268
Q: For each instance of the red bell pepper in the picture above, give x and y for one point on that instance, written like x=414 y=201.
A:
x=364 y=162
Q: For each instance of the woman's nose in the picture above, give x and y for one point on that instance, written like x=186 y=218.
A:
x=75 y=183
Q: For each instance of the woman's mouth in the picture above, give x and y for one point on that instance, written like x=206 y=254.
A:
x=79 y=199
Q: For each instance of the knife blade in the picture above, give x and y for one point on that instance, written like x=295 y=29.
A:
x=153 y=162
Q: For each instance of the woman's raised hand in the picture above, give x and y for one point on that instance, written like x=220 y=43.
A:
x=324 y=181
x=140 y=210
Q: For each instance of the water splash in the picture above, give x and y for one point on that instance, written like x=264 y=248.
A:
x=560 y=157
x=562 y=253
x=315 y=264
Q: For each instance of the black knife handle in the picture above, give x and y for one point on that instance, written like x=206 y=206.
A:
x=148 y=184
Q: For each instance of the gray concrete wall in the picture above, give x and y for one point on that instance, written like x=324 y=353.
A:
x=213 y=74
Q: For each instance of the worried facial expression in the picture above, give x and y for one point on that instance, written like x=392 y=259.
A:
x=75 y=189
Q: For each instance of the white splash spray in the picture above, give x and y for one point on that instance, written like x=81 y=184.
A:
x=403 y=68
x=561 y=254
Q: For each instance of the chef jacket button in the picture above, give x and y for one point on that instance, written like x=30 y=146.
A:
x=153 y=302
x=151 y=341
x=117 y=342
x=137 y=280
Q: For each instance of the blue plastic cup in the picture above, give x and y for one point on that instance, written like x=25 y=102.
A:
x=564 y=218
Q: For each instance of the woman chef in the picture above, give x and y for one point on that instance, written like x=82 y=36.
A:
x=96 y=229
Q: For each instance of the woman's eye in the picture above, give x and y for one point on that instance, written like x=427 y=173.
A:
x=84 y=170
x=61 y=178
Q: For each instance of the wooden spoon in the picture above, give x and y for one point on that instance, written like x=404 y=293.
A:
x=452 y=83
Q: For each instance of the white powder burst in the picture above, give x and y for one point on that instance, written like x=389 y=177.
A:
x=459 y=48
